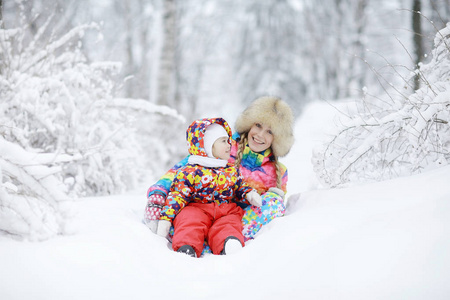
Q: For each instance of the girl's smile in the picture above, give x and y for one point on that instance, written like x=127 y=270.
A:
x=260 y=137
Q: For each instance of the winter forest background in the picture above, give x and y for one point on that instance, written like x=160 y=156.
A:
x=96 y=95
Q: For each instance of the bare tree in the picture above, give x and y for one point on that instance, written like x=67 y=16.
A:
x=166 y=74
x=135 y=45
x=336 y=47
x=1 y=14
x=417 y=38
x=268 y=51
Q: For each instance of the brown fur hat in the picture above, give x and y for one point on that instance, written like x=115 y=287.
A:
x=274 y=112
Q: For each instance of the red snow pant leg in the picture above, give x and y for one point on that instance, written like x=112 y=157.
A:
x=198 y=221
x=191 y=226
x=228 y=222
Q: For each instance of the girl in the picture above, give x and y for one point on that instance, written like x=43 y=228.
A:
x=263 y=134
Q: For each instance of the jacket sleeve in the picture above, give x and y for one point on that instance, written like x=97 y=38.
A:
x=162 y=186
x=284 y=178
x=179 y=195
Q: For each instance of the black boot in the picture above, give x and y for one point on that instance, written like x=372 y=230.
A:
x=186 y=249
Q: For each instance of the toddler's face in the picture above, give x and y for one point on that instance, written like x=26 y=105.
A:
x=260 y=137
x=221 y=148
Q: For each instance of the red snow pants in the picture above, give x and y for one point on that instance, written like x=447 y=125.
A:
x=199 y=221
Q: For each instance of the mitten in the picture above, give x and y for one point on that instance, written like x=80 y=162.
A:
x=153 y=210
x=163 y=228
x=277 y=191
x=254 y=198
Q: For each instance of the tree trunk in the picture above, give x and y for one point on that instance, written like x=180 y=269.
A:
x=129 y=66
x=166 y=77
x=417 y=38
x=1 y=15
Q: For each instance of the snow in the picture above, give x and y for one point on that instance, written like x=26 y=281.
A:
x=383 y=240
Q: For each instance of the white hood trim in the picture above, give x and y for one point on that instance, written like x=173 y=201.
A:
x=207 y=161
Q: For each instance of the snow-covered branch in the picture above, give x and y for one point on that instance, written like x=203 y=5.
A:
x=145 y=106
x=392 y=139
x=64 y=133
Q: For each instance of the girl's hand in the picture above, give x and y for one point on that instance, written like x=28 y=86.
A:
x=254 y=198
x=153 y=210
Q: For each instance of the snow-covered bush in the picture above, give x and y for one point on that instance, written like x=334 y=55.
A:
x=393 y=136
x=63 y=133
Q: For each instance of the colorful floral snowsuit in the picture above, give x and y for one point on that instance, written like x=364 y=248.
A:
x=259 y=172
x=201 y=203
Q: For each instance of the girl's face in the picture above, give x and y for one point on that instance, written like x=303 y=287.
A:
x=221 y=148
x=260 y=137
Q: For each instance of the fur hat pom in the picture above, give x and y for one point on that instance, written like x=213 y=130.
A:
x=275 y=113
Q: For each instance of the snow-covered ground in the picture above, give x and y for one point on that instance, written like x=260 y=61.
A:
x=385 y=240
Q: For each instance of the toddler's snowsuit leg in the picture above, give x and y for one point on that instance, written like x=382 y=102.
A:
x=255 y=217
x=191 y=226
x=227 y=222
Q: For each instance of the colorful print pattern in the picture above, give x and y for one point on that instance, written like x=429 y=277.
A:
x=196 y=131
x=256 y=217
x=162 y=186
x=195 y=183
x=258 y=169
x=154 y=206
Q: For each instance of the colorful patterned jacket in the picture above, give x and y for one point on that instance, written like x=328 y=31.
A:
x=257 y=169
x=202 y=184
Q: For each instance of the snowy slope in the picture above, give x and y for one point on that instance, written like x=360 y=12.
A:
x=386 y=240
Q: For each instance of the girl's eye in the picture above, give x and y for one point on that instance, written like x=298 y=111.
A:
x=269 y=132
x=258 y=125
